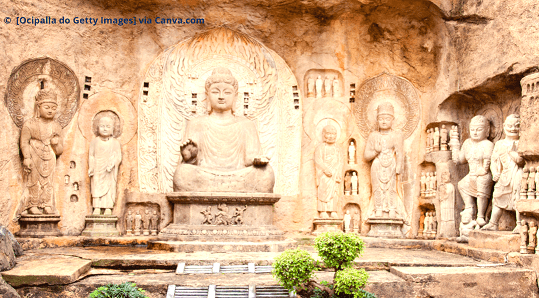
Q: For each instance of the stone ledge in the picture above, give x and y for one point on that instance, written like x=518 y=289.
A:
x=223 y=197
x=224 y=247
x=504 y=241
x=529 y=207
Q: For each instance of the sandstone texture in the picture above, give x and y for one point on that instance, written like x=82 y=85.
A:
x=461 y=58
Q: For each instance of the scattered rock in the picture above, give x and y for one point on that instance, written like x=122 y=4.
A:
x=9 y=249
x=6 y=291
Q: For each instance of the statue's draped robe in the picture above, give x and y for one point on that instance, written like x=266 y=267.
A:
x=226 y=151
x=385 y=196
x=328 y=158
x=35 y=143
x=507 y=188
x=103 y=183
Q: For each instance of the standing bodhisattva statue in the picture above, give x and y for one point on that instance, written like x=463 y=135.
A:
x=40 y=143
x=385 y=148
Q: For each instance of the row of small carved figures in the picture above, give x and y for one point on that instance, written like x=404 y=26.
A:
x=222 y=217
x=528 y=237
x=428 y=184
x=438 y=139
x=429 y=225
x=139 y=223
x=529 y=185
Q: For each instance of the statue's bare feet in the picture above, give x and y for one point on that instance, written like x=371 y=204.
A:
x=392 y=214
x=107 y=212
x=481 y=221
x=97 y=211
x=34 y=211
x=324 y=215
x=490 y=227
x=47 y=210
x=378 y=213
x=334 y=214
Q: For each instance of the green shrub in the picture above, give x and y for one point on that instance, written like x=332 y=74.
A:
x=293 y=268
x=351 y=281
x=125 y=290
x=338 y=249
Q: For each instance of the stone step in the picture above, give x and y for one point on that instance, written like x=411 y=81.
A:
x=224 y=247
x=55 y=270
x=477 y=281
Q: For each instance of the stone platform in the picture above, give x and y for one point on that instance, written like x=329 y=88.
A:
x=101 y=225
x=39 y=226
x=385 y=227
x=322 y=225
x=220 y=217
x=499 y=240
x=397 y=268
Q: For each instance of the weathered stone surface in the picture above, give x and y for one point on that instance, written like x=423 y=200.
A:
x=58 y=270
x=216 y=246
x=528 y=207
x=471 y=281
x=7 y=291
x=499 y=240
x=9 y=249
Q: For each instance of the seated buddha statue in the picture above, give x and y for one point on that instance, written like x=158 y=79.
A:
x=221 y=151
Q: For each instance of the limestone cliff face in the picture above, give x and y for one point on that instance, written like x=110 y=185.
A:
x=441 y=47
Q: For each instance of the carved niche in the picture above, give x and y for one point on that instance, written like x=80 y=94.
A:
x=173 y=92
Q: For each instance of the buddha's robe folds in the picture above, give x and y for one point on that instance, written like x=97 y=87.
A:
x=328 y=158
x=226 y=150
x=103 y=183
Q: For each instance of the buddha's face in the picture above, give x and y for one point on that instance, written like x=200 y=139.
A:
x=385 y=121
x=511 y=127
x=478 y=131
x=47 y=110
x=106 y=127
x=221 y=96
x=330 y=135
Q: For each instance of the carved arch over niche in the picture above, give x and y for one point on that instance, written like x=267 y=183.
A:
x=173 y=92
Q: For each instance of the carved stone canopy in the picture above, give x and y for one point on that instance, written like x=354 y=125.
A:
x=42 y=73
x=387 y=88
